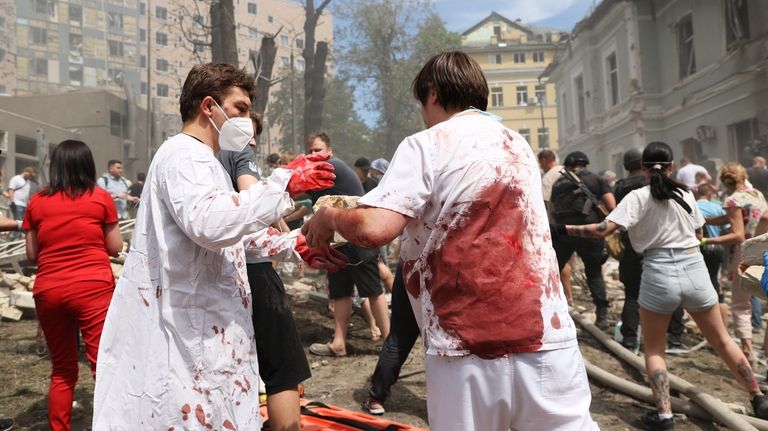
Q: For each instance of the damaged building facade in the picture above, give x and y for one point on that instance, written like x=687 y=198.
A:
x=692 y=74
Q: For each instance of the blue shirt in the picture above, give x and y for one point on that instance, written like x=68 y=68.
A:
x=710 y=209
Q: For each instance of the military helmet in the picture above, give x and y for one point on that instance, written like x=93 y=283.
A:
x=576 y=158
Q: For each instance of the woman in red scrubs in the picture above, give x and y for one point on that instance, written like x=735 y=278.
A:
x=71 y=230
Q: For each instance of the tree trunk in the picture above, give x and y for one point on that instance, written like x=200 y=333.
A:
x=263 y=63
x=314 y=69
x=313 y=102
x=223 y=32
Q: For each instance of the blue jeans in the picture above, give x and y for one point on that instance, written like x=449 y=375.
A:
x=757 y=312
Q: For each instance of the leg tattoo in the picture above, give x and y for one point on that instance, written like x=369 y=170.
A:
x=660 y=387
x=748 y=376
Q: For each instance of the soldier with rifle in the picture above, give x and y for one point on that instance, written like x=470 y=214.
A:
x=582 y=197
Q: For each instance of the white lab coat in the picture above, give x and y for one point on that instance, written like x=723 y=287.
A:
x=177 y=350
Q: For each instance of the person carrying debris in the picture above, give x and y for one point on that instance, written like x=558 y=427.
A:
x=178 y=347
x=501 y=348
x=664 y=224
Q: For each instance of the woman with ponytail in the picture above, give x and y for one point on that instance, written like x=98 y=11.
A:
x=744 y=206
x=664 y=224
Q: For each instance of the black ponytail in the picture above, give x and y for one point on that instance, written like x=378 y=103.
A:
x=657 y=157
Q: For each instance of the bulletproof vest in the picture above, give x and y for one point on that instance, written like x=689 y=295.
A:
x=624 y=186
x=569 y=202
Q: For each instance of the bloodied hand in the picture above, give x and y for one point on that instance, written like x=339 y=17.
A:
x=310 y=172
x=323 y=257
x=318 y=230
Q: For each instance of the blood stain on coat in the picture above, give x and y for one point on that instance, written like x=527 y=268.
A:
x=555 y=321
x=215 y=329
x=228 y=425
x=472 y=277
x=236 y=200
x=200 y=414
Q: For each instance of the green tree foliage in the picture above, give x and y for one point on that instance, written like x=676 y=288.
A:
x=382 y=46
x=349 y=135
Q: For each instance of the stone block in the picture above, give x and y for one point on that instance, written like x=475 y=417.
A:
x=10 y=313
x=22 y=299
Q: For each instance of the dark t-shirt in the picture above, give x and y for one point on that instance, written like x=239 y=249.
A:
x=759 y=179
x=569 y=201
x=135 y=190
x=236 y=164
x=625 y=185
x=370 y=183
x=347 y=182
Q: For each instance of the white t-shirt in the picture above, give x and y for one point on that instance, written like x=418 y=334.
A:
x=687 y=174
x=20 y=187
x=478 y=261
x=657 y=224
x=548 y=180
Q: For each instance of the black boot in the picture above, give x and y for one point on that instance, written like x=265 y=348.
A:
x=760 y=406
x=601 y=319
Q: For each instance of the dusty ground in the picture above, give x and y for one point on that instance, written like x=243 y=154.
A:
x=343 y=381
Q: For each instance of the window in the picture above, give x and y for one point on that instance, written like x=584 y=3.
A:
x=38 y=35
x=566 y=111
x=612 y=69
x=115 y=123
x=143 y=61
x=541 y=94
x=497 y=97
x=162 y=90
x=252 y=8
x=300 y=43
x=2 y=22
x=300 y=64
x=736 y=22
x=519 y=57
x=161 y=12
x=75 y=48
x=497 y=30
x=75 y=14
x=161 y=39
x=687 y=55
x=2 y=55
x=743 y=135
x=43 y=7
x=538 y=57
x=162 y=65
x=526 y=134
x=543 y=137
x=142 y=8
x=26 y=146
x=115 y=75
x=270 y=19
x=142 y=35
x=115 y=48
x=578 y=84
x=39 y=66
x=253 y=32
x=199 y=46
x=198 y=19
x=143 y=87
x=284 y=61
x=522 y=95
x=115 y=21
x=283 y=41
x=494 y=58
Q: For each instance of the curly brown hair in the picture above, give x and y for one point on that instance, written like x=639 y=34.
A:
x=733 y=175
x=215 y=80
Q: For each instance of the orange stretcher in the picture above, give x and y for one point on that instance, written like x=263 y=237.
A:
x=316 y=416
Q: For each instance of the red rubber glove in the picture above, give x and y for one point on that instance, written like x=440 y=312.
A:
x=320 y=257
x=310 y=172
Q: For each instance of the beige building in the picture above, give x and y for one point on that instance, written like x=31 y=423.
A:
x=513 y=56
x=135 y=49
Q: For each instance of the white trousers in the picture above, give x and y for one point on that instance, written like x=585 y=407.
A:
x=521 y=392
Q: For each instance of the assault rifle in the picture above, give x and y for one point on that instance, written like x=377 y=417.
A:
x=592 y=200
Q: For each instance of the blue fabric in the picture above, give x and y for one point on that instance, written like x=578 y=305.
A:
x=710 y=209
x=764 y=279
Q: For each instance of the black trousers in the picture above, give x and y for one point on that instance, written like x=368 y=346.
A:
x=591 y=253
x=630 y=271
x=403 y=333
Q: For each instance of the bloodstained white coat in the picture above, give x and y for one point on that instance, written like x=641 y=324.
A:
x=177 y=350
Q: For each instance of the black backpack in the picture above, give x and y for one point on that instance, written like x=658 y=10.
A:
x=570 y=202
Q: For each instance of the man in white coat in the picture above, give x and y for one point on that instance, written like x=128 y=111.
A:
x=177 y=350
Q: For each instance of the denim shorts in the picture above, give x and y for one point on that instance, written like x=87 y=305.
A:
x=674 y=277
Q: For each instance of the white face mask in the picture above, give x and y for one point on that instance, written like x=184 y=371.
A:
x=234 y=133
